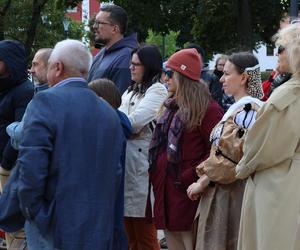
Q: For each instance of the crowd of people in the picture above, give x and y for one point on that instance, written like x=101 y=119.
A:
x=100 y=154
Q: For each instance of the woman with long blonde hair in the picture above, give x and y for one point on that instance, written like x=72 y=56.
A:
x=180 y=142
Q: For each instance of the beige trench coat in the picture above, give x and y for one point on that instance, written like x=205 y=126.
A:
x=270 y=217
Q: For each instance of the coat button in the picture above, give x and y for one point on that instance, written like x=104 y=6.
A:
x=140 y=150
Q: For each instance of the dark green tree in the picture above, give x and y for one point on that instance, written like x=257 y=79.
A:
x=5 y=5
x=36 y=23
x=161 y=16
x=223 y=25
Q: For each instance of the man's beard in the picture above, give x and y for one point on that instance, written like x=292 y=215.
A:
x=101 y=41
x=37 y=81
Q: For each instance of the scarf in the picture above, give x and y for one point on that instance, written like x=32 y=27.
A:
x=167 y=133
x=218 y=73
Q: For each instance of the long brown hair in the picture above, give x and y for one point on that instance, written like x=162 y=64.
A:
x=192 y=98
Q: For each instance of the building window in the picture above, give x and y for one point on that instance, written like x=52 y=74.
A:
x=270 y=50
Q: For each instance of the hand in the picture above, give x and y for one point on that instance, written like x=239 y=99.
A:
x=193 y=191
x=197 y=188
x=3 y=177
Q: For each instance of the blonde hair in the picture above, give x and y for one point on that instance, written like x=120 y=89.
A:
x=289 y=38
x=192 y=98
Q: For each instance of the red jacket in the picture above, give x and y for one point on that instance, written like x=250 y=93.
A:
x=172 y=207
x=266 y=85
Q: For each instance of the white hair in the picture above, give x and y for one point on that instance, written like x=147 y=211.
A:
x=74 y=55
x=289 y=38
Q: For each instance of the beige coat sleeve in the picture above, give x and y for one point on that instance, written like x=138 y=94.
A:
x=274 y=136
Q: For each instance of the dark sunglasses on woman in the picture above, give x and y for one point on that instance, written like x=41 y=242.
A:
x=280 y=49
x=169 y=73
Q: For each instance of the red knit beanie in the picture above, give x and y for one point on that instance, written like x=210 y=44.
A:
x=187 y=62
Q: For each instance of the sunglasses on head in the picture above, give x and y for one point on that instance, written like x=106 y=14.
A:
x=280 y=49
x=169 y=73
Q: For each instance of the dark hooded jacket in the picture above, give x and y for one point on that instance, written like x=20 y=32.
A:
x=15 y=93
x=113 y=63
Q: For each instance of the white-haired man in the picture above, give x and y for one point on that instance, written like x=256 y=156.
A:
x=69 y=159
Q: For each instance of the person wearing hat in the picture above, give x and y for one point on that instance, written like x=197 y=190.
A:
x=179 y=143
x=16 y=91
x=220 y=204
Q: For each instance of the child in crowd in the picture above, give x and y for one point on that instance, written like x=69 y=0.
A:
x=107 y=90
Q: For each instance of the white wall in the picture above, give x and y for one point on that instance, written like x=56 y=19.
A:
x=265 y=62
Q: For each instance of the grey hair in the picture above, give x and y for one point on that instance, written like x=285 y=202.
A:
x=74 y=55
x=45 y=54
x=289 y=38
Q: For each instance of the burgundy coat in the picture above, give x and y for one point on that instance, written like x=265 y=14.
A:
x=173 y=210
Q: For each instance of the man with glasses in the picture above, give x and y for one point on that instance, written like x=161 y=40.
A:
x=114 y=58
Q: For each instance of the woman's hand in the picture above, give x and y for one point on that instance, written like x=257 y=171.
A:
x=197 y=188
x=193 y=191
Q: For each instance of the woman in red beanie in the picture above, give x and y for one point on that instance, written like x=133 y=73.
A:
x=180 y=142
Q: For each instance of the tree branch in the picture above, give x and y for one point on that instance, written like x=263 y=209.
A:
x=37 y=7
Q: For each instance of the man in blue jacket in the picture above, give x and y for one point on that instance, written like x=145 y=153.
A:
x=39 y=75
x=69 y=159
x=114 y=58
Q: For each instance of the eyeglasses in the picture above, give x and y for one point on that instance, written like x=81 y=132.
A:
x=280 y=49
x=135 y=64
x=169 y=73
x=98 y=23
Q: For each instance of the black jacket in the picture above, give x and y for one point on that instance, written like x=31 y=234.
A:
x=15 y=93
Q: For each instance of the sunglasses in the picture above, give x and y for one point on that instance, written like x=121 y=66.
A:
x=169 y=73
x=280 y=49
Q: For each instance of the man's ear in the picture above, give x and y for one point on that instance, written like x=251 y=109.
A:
x=116 y=29
x=59 y=69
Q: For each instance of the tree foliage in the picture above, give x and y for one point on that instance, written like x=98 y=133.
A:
x=161 y=16
x=36 y=23
x=217 y=25
x=166 y=43
x=222 y=25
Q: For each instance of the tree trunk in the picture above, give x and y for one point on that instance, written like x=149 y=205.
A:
x=244 y=28
x=37 y=7
x=3 y=12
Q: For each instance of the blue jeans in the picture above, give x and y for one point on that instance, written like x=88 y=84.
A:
x=35 y=240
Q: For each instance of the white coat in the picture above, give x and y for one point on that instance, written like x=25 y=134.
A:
x=141 y=111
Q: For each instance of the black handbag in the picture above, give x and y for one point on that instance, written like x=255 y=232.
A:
x=11 y=217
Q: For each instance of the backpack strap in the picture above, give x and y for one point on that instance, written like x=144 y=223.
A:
x=246 y=108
